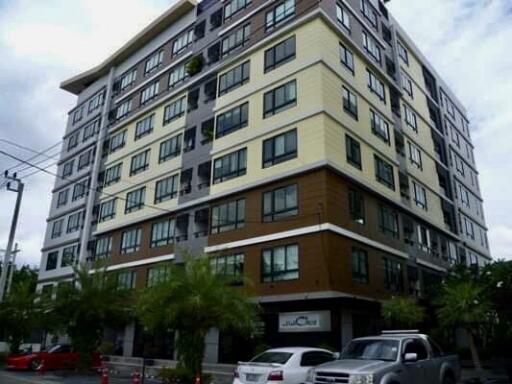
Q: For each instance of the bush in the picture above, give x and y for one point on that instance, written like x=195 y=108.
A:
x=180 y=375
x=195 y=65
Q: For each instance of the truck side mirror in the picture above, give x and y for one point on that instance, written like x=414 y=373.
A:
x=336 y=355
x=411 y=357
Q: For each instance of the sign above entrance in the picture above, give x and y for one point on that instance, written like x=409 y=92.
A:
x=318 y=321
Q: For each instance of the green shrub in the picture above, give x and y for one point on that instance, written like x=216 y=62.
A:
x=180 y=375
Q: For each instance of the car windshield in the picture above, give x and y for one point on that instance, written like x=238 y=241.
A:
x=386 y=350
x=272 y=357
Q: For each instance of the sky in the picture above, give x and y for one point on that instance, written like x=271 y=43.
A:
x=45 y=42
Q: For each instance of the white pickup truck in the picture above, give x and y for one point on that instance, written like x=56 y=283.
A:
x=394 y=358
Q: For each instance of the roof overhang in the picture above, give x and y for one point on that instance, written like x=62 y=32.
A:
x=80 y=82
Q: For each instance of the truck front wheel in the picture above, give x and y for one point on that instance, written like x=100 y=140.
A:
x=448 y=380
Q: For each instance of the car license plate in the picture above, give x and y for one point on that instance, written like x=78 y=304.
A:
x=252 y=377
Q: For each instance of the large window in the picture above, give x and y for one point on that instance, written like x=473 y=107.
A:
x=139 y=162
x=349 y=102
x=402 y=53
x=182 y=42
x=112 y=175
x=230 y=166
x=57 y=228
x=162 y=233
x=228 y=216
x=117 y=141
x=376 y=86
x=62 y=198
x=372 y=47
x=230 y=266
x=410 y=118
x=170 y=148
x=96 y=101
x=126 y=280
x=91 y=129
x=420 y=195
x=167 y=189
x=177 y=75
x=103 y=248
x=236 y=39
x=280 y=148
x=369 y=12
x=108 y=210
x=69 y=256
x=128 y=79
x=130 y=241
x=280 y=263
x=75 y=221
x=280 y=13
x=360 y=266
x=384 y=172
x=145 y=126
x=234 y=78
x=280 y=99
x=347 y=58
x=343 y=16
x=380 y=127
x=232 y=7
x=73 y=140
x=356 y=206
x=388 y=221
x=154 y=61
x=150 y=92
x=415 y=156
x=124 y=109
x=280 y=203
x=157 y=275
x=232 y=120
x=51 y=260
x=280 y=54
x=84 y=160
x=407 y=84
x=393 y=277
x=67 y=168
x=353 y=149
x=80 y=189
x=135 y=200
x=174 y=110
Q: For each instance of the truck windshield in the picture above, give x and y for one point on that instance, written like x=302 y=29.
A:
x=386 y=350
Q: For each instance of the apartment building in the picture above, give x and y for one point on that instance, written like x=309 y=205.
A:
x=307 y=145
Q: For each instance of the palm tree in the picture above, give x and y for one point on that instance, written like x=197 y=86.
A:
x=84 y=308
x=192 y=301
x=464 y=304
x=403 y=312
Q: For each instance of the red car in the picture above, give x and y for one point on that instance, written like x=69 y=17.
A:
x=58 y=356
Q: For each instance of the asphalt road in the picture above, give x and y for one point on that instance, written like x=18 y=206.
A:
x=10 y=377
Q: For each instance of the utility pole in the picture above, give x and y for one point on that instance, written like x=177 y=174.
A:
x=12 y=267
x=14 y=185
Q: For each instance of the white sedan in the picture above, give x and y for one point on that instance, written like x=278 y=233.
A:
x=281 y=366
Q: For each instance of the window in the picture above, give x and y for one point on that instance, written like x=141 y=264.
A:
x=342 y=16
x=402 y=53
x=407 y=84
x=369 y=13
x=91 y=129
x=236 y=39
x=360 y=266
x=128 y=79
x=229 y=266
x=423 y=238
x=280 y=263
x=459 y=165
x=420 y=196
x=388 y=221
x=280 y=54
x=130 y=241
x=230 y=166
x=182 y=42
x=415 y=156
x=80 y=189
x=280 y=99
x=279 y=14
x=376 y=86
x=108 y=210
x=75 y=221
x=96 y=101
x=356 y=206
x=353 y=151
x=410 y=118
x=103 y=248
x=139 y=162
x=170 y=148
x=393 y=278
x=67 y=169
x=154 y=62
x=470 y=228
x=57 y=228
x=349 y=102
x=234 y=78
x=126 y=280
x=162 y=233
x=464 y=195
x=232 y=7
x=84 y=159
x=167 y=189
x=384 y=172
x=189 y=139
x=280 y=148
x=228 y=216
x=78 y=115
x=123 y=109
x=51 y=260
x=174 y=110
x=149 y=93
x=69 y=256
x=117 y=141
x=62 y=198
x=280 y=203
x=417 y=347
x=380 y=127
x=372 y=47
x=73 y=140
x=347 y=58
x=135 y=200
x=112 y=175
x=232 y=120
x=144 y=127
x=177 y=75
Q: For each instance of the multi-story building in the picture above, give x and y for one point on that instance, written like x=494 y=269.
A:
x=307 y=145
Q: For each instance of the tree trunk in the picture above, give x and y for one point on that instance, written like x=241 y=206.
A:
x=474 y=353
x=191 y=345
